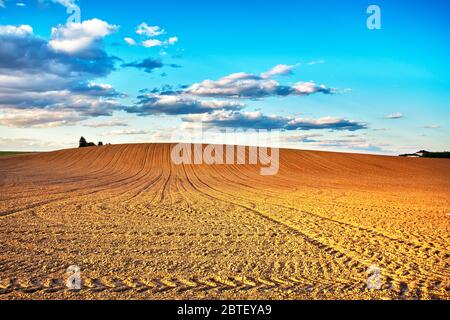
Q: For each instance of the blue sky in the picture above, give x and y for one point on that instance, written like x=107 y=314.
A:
x=338 y=86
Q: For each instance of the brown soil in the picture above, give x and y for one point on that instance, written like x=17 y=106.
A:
x=140 y=227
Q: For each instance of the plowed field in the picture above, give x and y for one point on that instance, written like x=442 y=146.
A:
x=140 y=227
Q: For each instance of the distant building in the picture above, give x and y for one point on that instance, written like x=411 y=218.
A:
x=412 y=155
x=421 y=153
x=418 y=154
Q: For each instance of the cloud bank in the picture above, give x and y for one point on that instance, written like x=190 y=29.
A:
x=154 y=104
x=250 y=86
x=257 y=120
x=49 y=83
x=216 y=103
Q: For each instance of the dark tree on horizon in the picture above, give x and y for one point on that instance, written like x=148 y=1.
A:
x=83 y=142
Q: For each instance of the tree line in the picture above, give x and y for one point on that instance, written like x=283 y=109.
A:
x=83 y=143
x=427 y=154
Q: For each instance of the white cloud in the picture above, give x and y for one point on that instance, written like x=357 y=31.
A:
x=24 y=55
x=16 y=31
x=250 y=86
x=109 y=123
x=307 y=88
x=130 y=41
x=325 y=123
x=316 y=62
x=87 y=103
x=157 y=43
x=258 y=120
x=76 y=37
x=103 y=124
x=281 y=69
x=172 y=40
x=350 y=144
x=178 y=105
x=235 y=85
x=38 y=118
x=2 y=4
x=65 y=3
x=394 y=116
x=42 y=88
x=126 y=132
x=302 y=137
x=20 y=4
x=150 y=31
x=152 y=43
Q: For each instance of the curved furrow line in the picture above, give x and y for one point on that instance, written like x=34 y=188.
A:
x=127 y=183
x=60 y=182
x=75 y=198
x=363 y=265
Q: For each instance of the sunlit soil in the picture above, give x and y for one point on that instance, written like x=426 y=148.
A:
x=140 y=227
